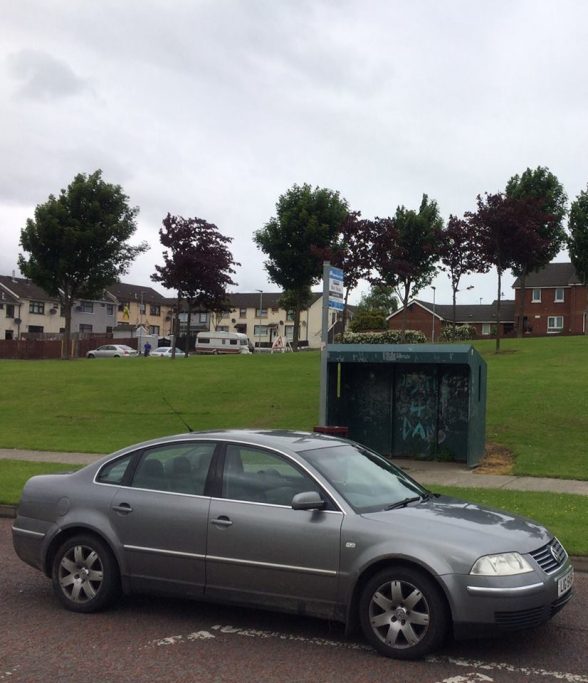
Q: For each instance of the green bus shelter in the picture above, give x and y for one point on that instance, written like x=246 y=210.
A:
x=410 y=400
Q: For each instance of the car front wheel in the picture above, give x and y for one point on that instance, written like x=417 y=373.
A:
x=403 y=613
x=85 y=574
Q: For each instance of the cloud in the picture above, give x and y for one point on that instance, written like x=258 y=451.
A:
x=43 y=77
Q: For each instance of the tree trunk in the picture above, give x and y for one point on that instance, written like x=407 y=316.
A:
x=188 y=337
x=176 y=327
x=66 y=348
x=521 y=321
x=454 y=290
x=296 y=331
x=405 y=314
x=498 y=310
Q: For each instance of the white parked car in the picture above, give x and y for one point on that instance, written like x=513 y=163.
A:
x=165 y=352
x=112 y=351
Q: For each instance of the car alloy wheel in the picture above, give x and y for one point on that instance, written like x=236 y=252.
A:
x=403 y=614
x=85 y=575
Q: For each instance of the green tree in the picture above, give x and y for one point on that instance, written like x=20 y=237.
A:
x=405 y=250
x=578 y=239
x=77 y=243
x=307 y=222
x=373 y=309
x=547 y=208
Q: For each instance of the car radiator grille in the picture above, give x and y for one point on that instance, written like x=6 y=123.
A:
x=550 y=557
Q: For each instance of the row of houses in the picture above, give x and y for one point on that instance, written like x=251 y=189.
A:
x=555 y=303
x=27 y=311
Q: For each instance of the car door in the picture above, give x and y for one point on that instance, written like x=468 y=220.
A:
x=161 y=518
x=262 y=551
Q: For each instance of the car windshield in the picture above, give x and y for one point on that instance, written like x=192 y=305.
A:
x=366 y=480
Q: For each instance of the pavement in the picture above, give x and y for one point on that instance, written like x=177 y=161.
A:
x=426 y=472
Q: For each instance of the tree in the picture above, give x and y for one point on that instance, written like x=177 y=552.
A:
x=460 y=253
x=547 y=209
x=77 y=243
x=506 y=227
x=374 y=308
x=198 y=265
x=578 y=239
x=404 y=250
x=307 y=222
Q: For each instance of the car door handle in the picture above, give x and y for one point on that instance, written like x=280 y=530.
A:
x=123 y=507
x=221 y=521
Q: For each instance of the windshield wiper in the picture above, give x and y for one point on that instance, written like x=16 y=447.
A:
x=404 y=502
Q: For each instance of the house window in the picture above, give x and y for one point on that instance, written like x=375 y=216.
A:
x=222 y=328
x=154 y=309
x=485 y=329
x=86 y=307
x=242 y=312
x=260 y=331
x=555 y=323
x=122 y=306
x=203 y=317
x=10 y=310
x=36 y=329
x=154 y=329
x=109 y=309
x=85 y=328
x=289 y=330
x=290 y=315
x=261 y=312
x=37 y=307
x=142 y=308
x=559 y=295
x=536 y=296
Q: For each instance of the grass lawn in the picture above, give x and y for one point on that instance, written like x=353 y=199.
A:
x=564 y=514
x=538 y=404
x=537 y=400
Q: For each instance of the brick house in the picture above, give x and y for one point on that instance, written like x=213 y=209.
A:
x=138 y=305
x=430 y=319
x=556 y=301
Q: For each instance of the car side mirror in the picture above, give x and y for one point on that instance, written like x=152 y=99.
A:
x=308 y=500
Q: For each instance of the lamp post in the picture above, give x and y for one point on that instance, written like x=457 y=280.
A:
x=260 y=309
x=433 y=331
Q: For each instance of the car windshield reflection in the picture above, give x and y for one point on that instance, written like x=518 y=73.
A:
x=364 y=479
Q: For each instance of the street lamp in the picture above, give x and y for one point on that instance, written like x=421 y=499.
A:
x=260 y=309
x=433 y=331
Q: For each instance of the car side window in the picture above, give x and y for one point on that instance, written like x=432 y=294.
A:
x=114 y=471
x=178 y=468
x=256 y=475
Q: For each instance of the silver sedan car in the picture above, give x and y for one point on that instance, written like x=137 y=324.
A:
x=292 y=521
x=112 y=351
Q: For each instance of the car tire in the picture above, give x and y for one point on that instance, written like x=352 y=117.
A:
x=85 y=574
x=116 y=355
x=91 y=355
x=403 y=613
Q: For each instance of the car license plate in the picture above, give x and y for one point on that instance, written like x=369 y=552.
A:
x=565 y=583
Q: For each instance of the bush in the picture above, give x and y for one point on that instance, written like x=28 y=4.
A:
x=387 y=337
x=364 y=321
x=453 y=333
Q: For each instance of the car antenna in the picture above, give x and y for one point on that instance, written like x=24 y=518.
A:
x=175 y=412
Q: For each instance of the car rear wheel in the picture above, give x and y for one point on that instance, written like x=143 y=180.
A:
x=91 y=355
x=403 y=613
x=85 y=574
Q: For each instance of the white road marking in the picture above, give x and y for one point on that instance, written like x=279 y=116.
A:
x=470 y=677
x=503 y=666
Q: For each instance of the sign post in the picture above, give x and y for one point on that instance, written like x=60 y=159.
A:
x=333 y=299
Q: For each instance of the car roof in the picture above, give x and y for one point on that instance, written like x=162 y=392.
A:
x=296 y=441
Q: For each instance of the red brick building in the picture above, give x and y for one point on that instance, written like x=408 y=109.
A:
x=556 y=302
x=432 y=318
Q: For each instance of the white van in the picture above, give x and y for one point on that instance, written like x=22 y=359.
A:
x=223 y=342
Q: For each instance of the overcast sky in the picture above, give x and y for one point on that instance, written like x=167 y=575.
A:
x=213 y=108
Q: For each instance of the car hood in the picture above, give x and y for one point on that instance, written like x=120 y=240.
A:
x=457 y=523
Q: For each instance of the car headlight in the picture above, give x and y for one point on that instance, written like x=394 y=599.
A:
x=505 y=564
